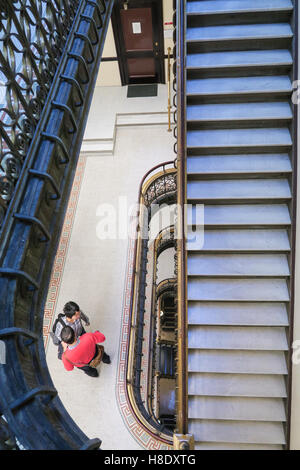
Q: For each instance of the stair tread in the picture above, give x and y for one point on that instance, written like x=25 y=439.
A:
x=237 y=431
x=234 y=164
x=277 y=188
x=238 y=31
x=238 y=240
x=237 y=338
x=248 y=264
x=238 y=111
x=236 y=313
x=236 y=408
x=239 y=58
x=217 y=6
x=249 y=138
x=237 y=362
x=223 y=289
x=238 y=214
x=236 y=385
x=238 y=266
x=219 y=86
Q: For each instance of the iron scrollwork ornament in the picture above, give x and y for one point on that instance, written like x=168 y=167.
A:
x=32 y=35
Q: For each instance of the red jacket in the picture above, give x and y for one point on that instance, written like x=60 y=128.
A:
x=84 y=351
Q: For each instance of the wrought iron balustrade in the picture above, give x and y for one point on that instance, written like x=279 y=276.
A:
x=157 y=187
x=167 y=287
x=162 y=187
x=164 y=240
x=32 y=36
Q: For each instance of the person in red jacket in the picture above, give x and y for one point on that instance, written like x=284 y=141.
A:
x=79 y=352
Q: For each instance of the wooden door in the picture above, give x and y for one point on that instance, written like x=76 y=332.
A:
x=138 y=32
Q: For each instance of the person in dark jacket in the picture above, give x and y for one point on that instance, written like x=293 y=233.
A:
x=73 y=316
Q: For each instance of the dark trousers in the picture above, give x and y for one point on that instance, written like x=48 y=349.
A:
x=91 y=371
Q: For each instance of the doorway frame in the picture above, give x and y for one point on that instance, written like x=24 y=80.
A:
x=158 y=36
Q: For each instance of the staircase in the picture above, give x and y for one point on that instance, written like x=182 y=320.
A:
x=239 y=65
x=167 y=360
x=168 y=307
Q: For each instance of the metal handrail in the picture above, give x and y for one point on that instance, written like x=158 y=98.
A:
x=165 y=286
x=132 y=391
x=154 y=303
x=179 y=55
x=169 y=89
x=162 y=243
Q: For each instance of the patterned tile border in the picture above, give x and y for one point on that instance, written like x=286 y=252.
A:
x=140 y=434
x=61 y=255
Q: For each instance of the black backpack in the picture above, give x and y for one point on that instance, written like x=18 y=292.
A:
x=55 y=339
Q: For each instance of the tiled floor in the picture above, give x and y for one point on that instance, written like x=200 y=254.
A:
x=95 y=273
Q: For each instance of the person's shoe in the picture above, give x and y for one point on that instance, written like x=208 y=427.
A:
x=92 y=372
x=106 y=358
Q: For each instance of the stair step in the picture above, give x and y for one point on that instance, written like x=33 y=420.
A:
x=237 y=113
x=236 y=385
x=278 y=139
x=245 y=215
x=238 y=31
x=239 y=189
x=277 y=58
x=225 y=264
x=238 y=289
x=220 y=88
x=237 y=338
x=233 y=6
x=200 y=166
x=238 y=408
x=238 y=431
x=236 y=313
x=238 y=37
x=229 y=446
x=242 y=240
x=237 y=362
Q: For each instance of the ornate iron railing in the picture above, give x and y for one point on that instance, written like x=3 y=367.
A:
x=159 y=177
x=165 y=287
x=49 y=91
x=161 y=186
x=164 y=240
x=32 y=36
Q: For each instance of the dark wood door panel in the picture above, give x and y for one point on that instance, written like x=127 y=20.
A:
x=137 y=29
x=143 y=68
x=138 y=33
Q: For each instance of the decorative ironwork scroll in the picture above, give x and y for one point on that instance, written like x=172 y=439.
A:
x=162 y=186
x=32 y=36
x=157 y=187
